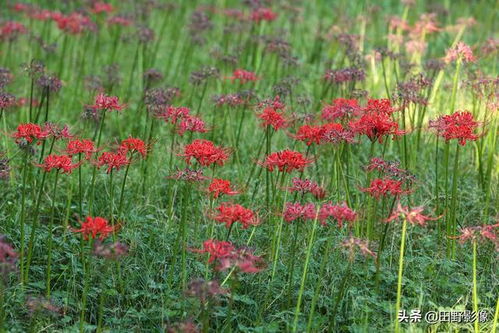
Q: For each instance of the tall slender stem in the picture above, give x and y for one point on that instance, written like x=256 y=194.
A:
x=399 y=281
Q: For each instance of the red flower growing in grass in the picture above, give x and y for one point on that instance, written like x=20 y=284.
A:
x=57 y=132
x=216 y=249
x=375 y=126
x=191 y=124
x=174 y=113
x=383 y=187
x=286 y=161
x=263 y=14
x=205 y=153
x=243 y=76
x=109 y=103
x=133 y=145
x=270 y=117
x=413 y=216
x=340 y=108
x=379 y=106
x=459 y=125
x=294 y=211
x=61 y=163
x=230 y=213
x=487 y=232
x=219 y=187
x=307 y=186
x=95 y=226
x=112 y=160
x=29 y=132
x=460 y=51
x=102 y=7
x=309 y=134
x=86 y=147
x=340 y=213
x=228 y=256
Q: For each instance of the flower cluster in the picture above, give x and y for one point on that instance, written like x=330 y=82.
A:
x=113 y=160
x=29 y=133
x=459 y=125
x=286 y=161
x=243 y=76
x=487 y=232
x=219 y=187
x=341 y=213
x=109 y=103
x=83 y=146
x=95 y=226
x=413 y=216
x=230 y=213
x=62 y=163
x=385 y=186
x=307 y=186
x=205 y=153
x=340 y=108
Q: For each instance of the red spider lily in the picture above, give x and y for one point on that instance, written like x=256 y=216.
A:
x=189 y=175
x=173 y=114
x=270 y=117
x=286 y=161
x=112 y=160
x=379 y=106
x=29 y=132
x=11 y=30
x=352 y=244
x=263 y=14
x=340 y=108
x=102 y=7
x=220 y=186
x=109 y=103
x=413 y=216
x=340 y=213
x=56 y=132
x=307 y=186
x=74 y=23
x=460 y=51
x=84 y=146
x=243 y=76
x=205 y=153
x=335 y=133
x=309 y=134
x=294 y=211
x=243 y=259
x=94 y=226
x=389 y=168
x=459 y=125
x=133 y=145
x=192 y=124
x=487 y=232
x=62 y=163
x=216 y=249
x=375 y=126
x=230 y=213
x=383 y=187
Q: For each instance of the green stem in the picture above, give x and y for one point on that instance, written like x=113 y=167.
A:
x=399 y=281
x=475 y=287
x=50 y=236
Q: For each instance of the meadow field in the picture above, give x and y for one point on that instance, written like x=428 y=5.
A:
x=249 y=166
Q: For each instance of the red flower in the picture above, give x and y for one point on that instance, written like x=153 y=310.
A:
x=459 y=125
x=94 y=226
x=55 y=132
x=75 y=147
x=270 y=117
x=413 y=216
x=335 y=133
x=307 y=186
x=286 y=161
x=243 y=76
x=204 y=152
x=340 y=213
x=109 y=103
x=230 y=213
x=383 y=187
x=487 y=232
x=294 y=211
x=379 y=106
x=189 y=175
x=216 y=249
x=460 y=51
x=59 y=162
x=11 y=29
x=112 y=160
x=375 y=126
x=102 y=7
x=192 y=124
x=309 y=134
x=340 y=108
x=263 y=14
x=274 y=103
x=133 y=145
x=174 y=113
x=219 y=187
x=29 y=132
x=74 y=23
